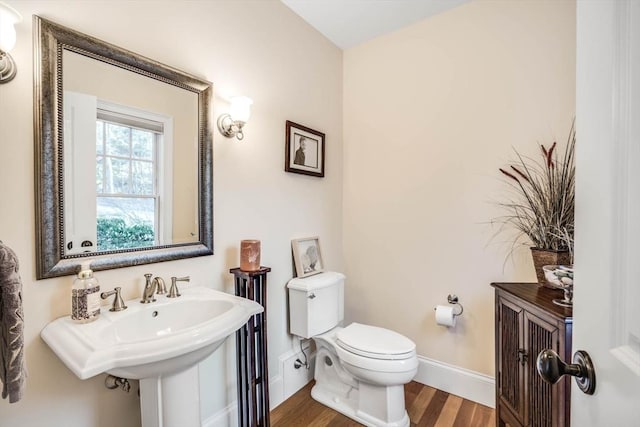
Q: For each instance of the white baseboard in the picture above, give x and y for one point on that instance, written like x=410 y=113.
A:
x=226 y=417
x=452 y=379
x=462 y=382
x=276 y=391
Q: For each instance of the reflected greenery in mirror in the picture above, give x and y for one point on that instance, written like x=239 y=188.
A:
x=123 y=156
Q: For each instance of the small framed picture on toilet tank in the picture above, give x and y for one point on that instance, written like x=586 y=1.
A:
x=307 y=256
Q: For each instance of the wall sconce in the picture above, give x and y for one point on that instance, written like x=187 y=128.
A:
x=8 y=18
x=231 y=124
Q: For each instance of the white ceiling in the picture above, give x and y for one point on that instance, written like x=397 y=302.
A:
x=350 y=22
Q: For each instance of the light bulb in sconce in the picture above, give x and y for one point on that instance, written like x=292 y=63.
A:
x=231 y=124
x=8 y=18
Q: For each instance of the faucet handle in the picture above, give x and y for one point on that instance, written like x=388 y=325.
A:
x=118 y=303
x=173 y=292
x=161 y=288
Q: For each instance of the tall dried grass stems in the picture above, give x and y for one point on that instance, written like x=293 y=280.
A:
x=543 y=199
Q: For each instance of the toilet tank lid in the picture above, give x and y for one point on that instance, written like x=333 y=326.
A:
x=317 y=281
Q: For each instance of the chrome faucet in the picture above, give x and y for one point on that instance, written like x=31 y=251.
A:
x=161 y=288
x=173 y=291
x=118 y=302
x=149 y=289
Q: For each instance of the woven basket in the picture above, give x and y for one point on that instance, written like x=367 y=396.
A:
x=542 y=257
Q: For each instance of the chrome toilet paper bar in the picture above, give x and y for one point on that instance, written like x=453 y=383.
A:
x=453 y=299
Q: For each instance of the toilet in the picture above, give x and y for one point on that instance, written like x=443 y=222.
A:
x=360 y=370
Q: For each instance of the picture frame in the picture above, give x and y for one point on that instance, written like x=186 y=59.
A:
x=307 y=256
x=304 y=150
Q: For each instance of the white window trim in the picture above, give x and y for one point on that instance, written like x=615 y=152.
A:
x=165 y=160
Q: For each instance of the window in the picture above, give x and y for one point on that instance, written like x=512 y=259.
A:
x=127 y=190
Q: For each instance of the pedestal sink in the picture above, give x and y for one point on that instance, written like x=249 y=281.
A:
x=160 y=344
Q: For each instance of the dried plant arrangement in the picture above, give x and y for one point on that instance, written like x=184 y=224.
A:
x=542 y=203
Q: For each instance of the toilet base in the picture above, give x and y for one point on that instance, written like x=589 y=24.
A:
x=352 y=402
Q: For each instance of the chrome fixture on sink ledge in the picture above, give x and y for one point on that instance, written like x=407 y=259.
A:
x=118 y=303
x=161 y=288
x=157 y=287
x=173 y=291
x=150 y=288
x=153 y=287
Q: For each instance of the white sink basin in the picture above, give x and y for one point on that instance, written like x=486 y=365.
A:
x=150 y=340
x=161 y=320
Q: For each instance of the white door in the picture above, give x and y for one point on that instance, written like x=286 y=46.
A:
x=607 y=247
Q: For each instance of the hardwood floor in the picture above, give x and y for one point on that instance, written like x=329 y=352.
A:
x=426 y=407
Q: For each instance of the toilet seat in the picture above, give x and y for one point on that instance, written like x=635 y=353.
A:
x=375 y=343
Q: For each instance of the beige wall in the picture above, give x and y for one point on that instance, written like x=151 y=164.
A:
x=430 y=114
x=256 y=48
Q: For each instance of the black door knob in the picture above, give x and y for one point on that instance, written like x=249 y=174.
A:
x=551 y=368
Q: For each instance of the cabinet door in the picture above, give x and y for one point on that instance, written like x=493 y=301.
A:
x=542 y=407
x=509 y=348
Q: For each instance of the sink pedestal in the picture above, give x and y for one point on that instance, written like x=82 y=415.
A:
x=171 y=400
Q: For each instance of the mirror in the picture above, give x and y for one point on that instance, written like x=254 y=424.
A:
x=123 y=156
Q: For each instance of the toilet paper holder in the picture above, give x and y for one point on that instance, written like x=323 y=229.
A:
x=453 y=299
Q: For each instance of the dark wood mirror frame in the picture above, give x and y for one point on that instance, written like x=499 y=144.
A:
x=50 y=40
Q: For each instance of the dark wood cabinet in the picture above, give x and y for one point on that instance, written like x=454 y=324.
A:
x=527 y=322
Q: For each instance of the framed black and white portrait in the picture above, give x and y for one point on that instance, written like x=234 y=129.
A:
x=307 y=256
x=304 y=152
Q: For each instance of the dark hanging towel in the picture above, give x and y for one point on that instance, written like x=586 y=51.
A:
x=12 y=365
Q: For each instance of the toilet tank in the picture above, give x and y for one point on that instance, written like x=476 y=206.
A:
x=316 y=303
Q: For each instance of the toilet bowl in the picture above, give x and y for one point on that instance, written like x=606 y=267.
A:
x=360 y=370
x=376 y=355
